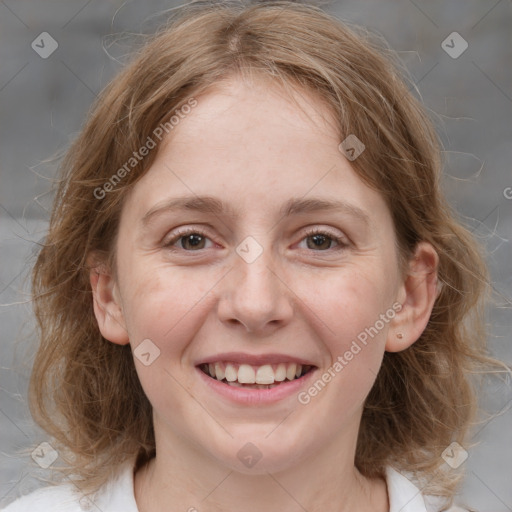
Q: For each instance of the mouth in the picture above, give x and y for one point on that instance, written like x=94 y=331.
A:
x=247 y=376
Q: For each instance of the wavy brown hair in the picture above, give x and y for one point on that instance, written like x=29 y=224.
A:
x=84 y=390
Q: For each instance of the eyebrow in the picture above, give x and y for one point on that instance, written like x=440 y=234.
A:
x=294 y=206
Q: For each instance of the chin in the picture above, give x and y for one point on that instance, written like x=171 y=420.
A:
x=255 y=455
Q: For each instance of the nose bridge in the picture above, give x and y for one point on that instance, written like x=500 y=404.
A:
x=255 y=279
x=256 y=296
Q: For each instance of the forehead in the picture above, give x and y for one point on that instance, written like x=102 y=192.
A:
x=255 y=144
x=251 y=120
x=233 y=111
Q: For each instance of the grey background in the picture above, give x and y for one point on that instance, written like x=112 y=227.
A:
x=43 y=103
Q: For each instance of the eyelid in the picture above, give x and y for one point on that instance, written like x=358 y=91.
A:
x=326 y=231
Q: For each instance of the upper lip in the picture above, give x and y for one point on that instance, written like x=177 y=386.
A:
x=253 y=359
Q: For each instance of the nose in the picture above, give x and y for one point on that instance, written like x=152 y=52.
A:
x=256 y=296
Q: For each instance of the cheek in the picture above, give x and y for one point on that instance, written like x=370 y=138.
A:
x=167 y=307
x=159 y=302
x=352 y=305
x=355 y=308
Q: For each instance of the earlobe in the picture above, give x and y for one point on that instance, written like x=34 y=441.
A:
x=106 y=303
x=418 y=293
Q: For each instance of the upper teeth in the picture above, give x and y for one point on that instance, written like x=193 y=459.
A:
x=248 y=374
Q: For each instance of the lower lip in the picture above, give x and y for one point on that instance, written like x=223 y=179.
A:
x=257 y=396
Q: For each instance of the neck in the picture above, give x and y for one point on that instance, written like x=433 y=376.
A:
x=191 y=480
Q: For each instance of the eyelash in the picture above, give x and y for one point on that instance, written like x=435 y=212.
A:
x=342 y=244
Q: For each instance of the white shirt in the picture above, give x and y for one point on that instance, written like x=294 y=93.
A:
x=118 y=496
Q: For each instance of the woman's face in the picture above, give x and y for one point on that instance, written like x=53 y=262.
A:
x=218 y=262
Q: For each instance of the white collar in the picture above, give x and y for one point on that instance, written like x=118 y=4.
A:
x=403 y=495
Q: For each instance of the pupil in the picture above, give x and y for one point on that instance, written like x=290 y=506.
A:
x=319 y=240
x=194 y=239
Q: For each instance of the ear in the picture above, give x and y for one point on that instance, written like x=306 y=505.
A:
x=417 y=295
x=106 y=301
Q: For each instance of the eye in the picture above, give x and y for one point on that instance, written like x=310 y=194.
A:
x=322 y=240
x=191 y=240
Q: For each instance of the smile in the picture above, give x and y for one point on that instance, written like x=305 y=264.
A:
x=248 y=376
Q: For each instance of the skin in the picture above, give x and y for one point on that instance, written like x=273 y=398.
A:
x=247 y=144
